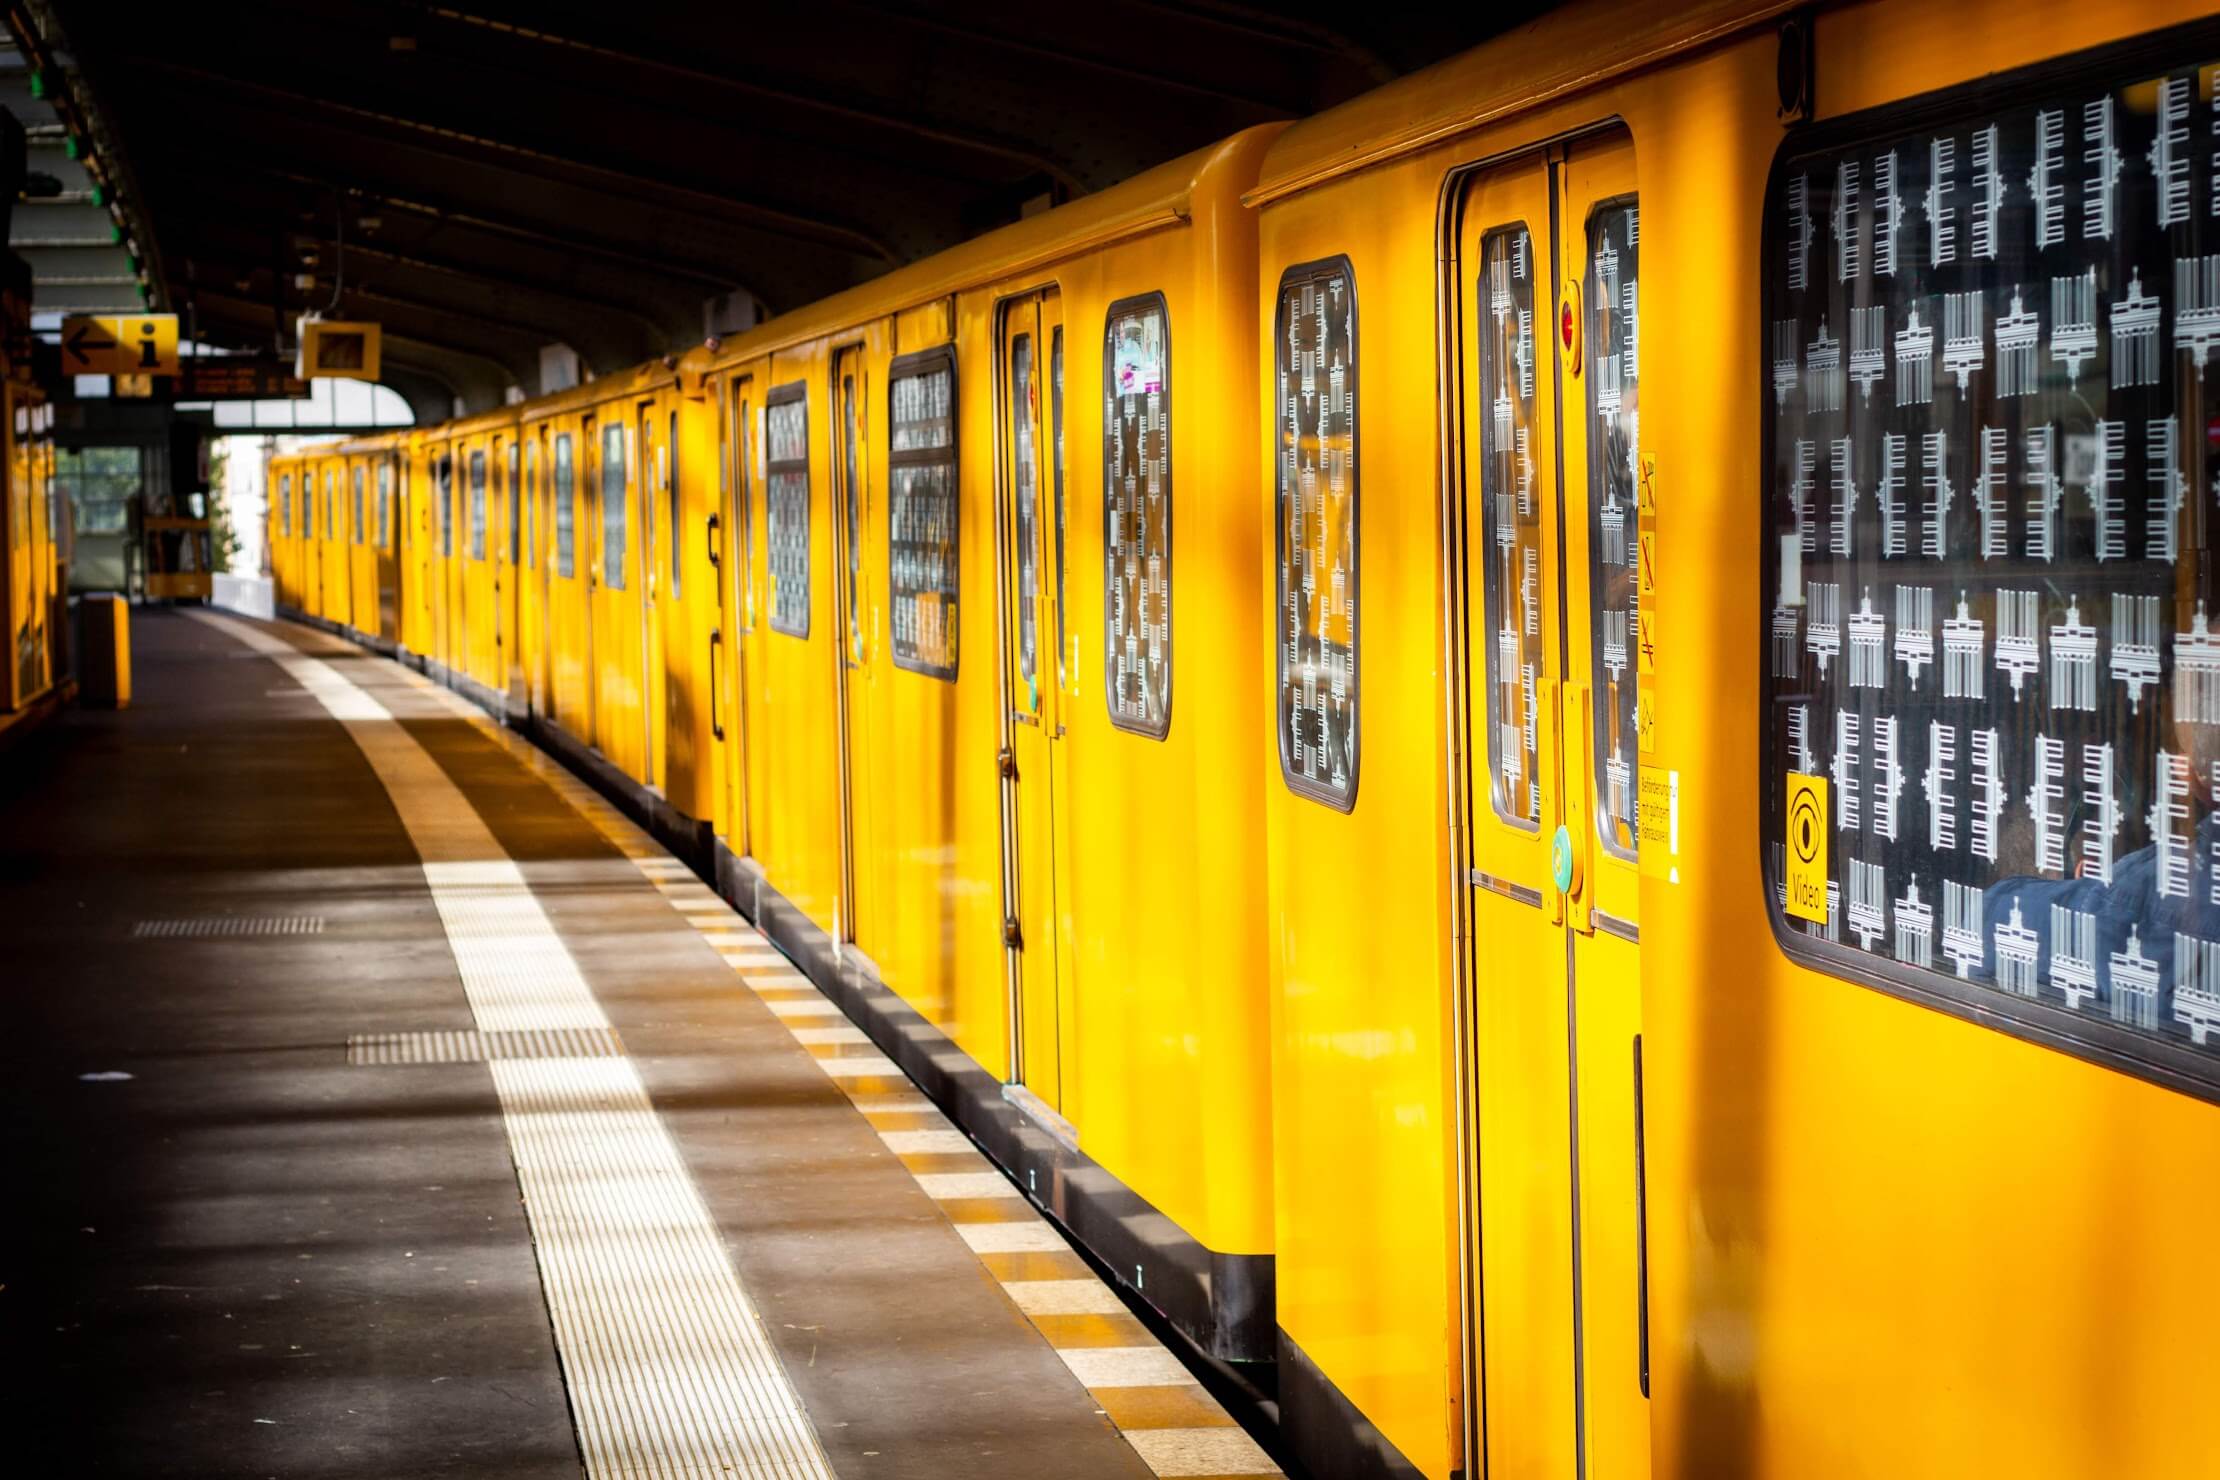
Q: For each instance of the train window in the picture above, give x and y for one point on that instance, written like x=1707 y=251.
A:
x=566 y=509
x=922 y=549
x=516 y=506
x=1990 y=670
x=675 y=527
x=1137 y=516
x=615 y=529
x=1026 y=496
x=531 y=504
x=851 y=498
x=1056 y=440
x=385 y=503
x=478 y=504
x=1614 y=339
x=285 y=504
x=1512 y=518
x=786 y=507
x=743 y=505
x=361 y=524
x=1315 y=335
x=446 y=473
x=331 y=506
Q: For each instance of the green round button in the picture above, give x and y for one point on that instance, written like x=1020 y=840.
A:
x=1560 y=859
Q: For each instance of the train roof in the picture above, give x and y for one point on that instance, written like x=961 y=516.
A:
x=1565 y=52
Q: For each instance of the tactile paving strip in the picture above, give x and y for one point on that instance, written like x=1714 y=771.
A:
x=1169 y=1418
x=668 y=1369
x=469 y=1046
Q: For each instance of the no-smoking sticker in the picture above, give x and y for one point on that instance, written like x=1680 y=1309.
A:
x=1807 y=847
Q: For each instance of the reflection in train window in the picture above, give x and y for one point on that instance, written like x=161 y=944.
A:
x=615 y=528
x=1315 y=339
x=1989 y=583
x=921 y=511
x=786 y=507
x=1137 y=515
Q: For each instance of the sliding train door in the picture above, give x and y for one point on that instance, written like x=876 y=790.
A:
x=731 y=546
x=1036 y=877
x=1554 y=517
x=387 y=560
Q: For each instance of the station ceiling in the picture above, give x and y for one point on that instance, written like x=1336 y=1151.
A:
x=486 y=180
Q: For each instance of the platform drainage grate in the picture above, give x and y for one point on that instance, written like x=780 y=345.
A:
x=472 y=1047
x=208 y=926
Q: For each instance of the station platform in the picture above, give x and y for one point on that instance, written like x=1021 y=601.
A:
x=376 y=1099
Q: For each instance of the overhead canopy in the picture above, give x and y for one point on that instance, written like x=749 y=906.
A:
x=487 y=182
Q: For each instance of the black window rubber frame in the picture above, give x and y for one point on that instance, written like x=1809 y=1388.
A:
x=908 y=367
x=2091 y=1039
x=1320 y=269
x=781 y=395
x=1140 y=302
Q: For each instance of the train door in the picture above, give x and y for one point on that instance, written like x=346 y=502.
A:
x=1552 y=534
x=1036 y=826
x=616 y=614
x=653 y=456
x=731 y=550
x=388 y=565
x=531 y=590
x=510 y=580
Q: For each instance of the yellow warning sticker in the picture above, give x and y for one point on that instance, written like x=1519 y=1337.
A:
x=1646 y=643
x=1807 y=847
x=1645 y=721
x=1659 y=811
x=1648 y=576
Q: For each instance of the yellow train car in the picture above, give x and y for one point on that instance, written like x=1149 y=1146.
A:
x=277 y=528
x=1593 y=975
x=1579 y=1171
x=33 y=542
x=1011 y=831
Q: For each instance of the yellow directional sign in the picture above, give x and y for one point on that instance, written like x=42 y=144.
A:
x=120 y=344
x=1807 y=847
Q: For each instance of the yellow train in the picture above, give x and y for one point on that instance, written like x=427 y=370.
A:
x=1653 y=932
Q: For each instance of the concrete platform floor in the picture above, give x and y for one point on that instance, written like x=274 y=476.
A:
x=270 y=1210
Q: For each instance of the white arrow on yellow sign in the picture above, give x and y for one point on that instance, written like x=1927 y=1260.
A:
x=120 y=344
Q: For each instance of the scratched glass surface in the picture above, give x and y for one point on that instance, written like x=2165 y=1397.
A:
x=614 y=529
x=1137 y=519
x=566 y=510
x=1614 y=451
x=786 y=513
x=1316 y=408
x=1027 y=497
x=1990 y=514
x=1511 y=515
x=921 y=521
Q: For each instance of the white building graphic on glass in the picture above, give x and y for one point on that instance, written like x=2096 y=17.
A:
x=2073 y=659
x=1844 y=769
x=2019 y=636
x=2105 y=498
x=1788 y=364
x=1965 y=321
x=2073 y=955
x=2196 y=306
x=2169 y=487
x=2134 y=981
x=1942 y=808
x=2197 y=672
x=1801 y=229
x=1961 y=931
x=1988 y=797
x=1847 y=253
x=1889 y=773
x=1869 y=902
x=1989 y=496
x=1935 y=474
x=1869 y=348
x=2168 y=820
x=2017 y=950
x=2169 y=152
x=2197 y=985
x=2135 y=357
x=2100 y=186
x=1964 y=639
x=1888 y=215
x=1915 y=362
x=1895 y=451
x=2073 y=321
x=1841 y=465
x=2136 y=632
x=1942 y=228
x=2046 y=183
x=1822 y=625
x=1915 y=630
x=2019 y=336
x=2100 y=810
x=1868 y=631
x=1915 y=927
x=2046 y=805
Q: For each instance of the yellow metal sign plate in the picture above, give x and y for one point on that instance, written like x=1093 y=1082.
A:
x=120 y=344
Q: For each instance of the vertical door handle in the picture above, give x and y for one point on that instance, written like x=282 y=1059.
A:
x=716 y=544
x=716 y=682
x=1549 y=751
x=1583 y=826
